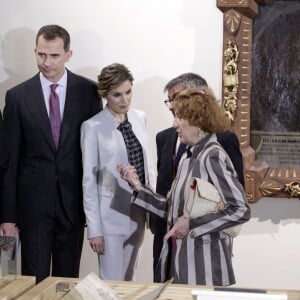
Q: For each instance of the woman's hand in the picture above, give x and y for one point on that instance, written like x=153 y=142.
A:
x=98 y=245
x=180 y=229
x=128 y=173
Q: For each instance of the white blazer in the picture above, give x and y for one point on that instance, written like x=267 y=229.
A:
x=106 y=196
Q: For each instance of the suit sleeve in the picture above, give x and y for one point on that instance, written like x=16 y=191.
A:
x=3 y=163
x=12 y=129
x=231 y=145
x=158 y=151
x=90 y=162
x=3 y=150
x=165 y=143
x=97 y=104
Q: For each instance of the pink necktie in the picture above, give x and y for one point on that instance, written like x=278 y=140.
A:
x=54 y=114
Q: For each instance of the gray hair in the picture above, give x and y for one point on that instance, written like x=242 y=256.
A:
x=188 y=80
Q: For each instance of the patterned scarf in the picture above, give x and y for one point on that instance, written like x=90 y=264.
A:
x=134 y=149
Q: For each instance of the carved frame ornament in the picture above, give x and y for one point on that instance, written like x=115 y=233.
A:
x=261 y=180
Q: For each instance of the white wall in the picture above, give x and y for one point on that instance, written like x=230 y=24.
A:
x=157 y=40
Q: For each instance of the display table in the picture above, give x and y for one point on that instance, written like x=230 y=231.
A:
x=133 y=290
x=12 y=288
x=54 y=288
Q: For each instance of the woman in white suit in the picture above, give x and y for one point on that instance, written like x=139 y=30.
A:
x=115 y=226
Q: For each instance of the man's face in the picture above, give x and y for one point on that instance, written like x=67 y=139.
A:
x=51 y=58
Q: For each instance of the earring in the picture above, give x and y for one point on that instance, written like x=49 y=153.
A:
x=200 y=132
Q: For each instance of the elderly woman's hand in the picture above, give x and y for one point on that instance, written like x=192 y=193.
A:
x=180 y=229
x=128 y=173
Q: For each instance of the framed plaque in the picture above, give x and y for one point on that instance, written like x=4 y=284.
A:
x=261 y=92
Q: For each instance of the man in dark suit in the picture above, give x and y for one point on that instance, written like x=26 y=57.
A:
x=3 y=159
x=167 y=144
x=43 y=128
x=5 y=173
x=2 y=149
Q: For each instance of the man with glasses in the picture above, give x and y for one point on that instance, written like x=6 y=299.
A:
x=169 y=150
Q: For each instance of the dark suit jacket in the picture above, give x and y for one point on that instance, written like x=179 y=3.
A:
x=38 y=169
x=3 y=160
x=3 y=150
x=166 y=142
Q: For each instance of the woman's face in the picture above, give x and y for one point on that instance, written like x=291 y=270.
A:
x=188 y=134
x=119 y=99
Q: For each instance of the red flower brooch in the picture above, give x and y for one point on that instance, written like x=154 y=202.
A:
x=193 y=186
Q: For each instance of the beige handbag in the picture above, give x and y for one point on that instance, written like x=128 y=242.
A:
x=202 y=197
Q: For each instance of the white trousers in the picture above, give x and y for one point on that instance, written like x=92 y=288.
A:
x=121 y=254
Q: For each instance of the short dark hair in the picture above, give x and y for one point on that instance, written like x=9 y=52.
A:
x=51 y=32
x=188 y=80
x=111 y=77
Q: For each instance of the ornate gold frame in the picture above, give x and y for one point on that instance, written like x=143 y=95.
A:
x=261 y=180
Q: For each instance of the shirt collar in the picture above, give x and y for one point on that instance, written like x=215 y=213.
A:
x=46 y=83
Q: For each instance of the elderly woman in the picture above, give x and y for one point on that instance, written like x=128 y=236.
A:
x=115 y=227
x=201 y=246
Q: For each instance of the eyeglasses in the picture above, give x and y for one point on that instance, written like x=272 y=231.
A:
x=168 y=103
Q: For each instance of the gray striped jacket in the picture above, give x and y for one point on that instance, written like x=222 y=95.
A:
x=204 y=256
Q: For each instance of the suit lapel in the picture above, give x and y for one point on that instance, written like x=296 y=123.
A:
x=36 y=104
x=172 y=141
x=171 y=148
x=70 y=106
